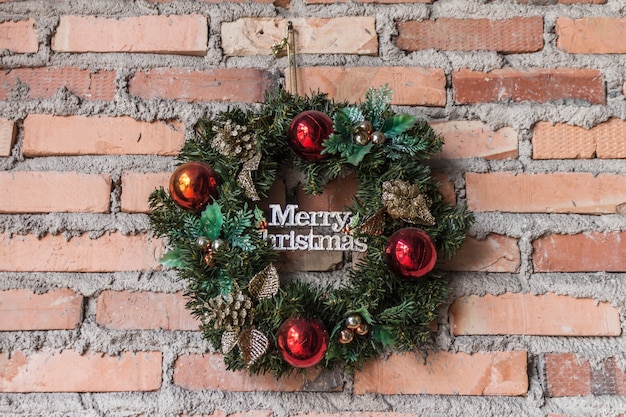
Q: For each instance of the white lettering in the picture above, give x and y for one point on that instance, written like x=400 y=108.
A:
x=290 y=217
x=303 y=218
x=282 y=218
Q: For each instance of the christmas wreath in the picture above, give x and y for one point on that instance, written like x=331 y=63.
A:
x=222 y=244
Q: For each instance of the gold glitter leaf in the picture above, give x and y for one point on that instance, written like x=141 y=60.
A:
x=253 y=344
x=264 y=284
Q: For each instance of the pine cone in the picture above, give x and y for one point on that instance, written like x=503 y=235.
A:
x=403 y=200
x=232 y=140
x=230 y=313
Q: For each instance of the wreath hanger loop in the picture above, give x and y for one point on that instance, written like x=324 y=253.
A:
x=289 y=42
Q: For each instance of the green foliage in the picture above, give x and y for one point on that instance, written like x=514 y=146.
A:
x=397 y=124
x=398 y=311
x=211 y=221
x=376 y=105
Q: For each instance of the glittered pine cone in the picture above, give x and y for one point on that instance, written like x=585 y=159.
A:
x=230 y=313
x=403 y=200
x=233 y=140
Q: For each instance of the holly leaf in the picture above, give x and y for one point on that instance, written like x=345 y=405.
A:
x=397 y=124
x=382 y=335
x=212 y=220
x=259 y=216
x=173 y=259
x=359 y=153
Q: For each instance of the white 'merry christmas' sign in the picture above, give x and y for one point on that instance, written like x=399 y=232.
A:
x=335 y=221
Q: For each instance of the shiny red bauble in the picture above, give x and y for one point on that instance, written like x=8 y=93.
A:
x=193 y=184
x=307 y=133
x=410 y=253
x=302 y=342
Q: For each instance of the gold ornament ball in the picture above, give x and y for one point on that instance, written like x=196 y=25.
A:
x=346 y=336
x=203 y=242
x=209 y=258
x=353 y=321
x=218 y=244
x=361 y=138
x=378 y=137
x=366 y=126
x=362 y=330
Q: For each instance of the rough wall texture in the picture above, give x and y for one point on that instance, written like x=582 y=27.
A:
x=97 y=96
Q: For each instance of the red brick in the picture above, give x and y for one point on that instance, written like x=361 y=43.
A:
x=340 y=35
x=208 y=372
x=277 y=194
x=22 y=310
x=312 y=261
x=496 y=253
x=445 y=373
x=528 y=314
x=472 y=139
x=46 y=135
x=557 y=192
x=7 y=136
x=567 y=375
x=446 y=187
x=108 y=253
x=43 y=82
x=515 y=35
x=550 y=2
x=69 y=371
x=124 y=310
x=591 y=35
x=563 y=415
x=219 y=84
x=605 y=140
x=337 y=195
x=583 y=252
x=368 y=1
x=136 y=189
x=410 y=85
x=185 y=35
x=44 y=192
x=215 y=1
x=19 y=37
x=533 y=84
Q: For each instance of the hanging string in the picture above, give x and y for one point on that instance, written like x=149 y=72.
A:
x=289 y=42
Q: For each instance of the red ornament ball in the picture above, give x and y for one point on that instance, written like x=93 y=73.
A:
x=302 y=342
x=307 y=133
x=410 y=253
x=193 y=184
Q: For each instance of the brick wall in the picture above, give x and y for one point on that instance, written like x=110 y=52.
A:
x=96 y=98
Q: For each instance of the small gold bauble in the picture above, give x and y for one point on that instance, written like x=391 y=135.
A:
x=366 y=126
x=209 y=258
x=378 y=137
x=361 y=138
x=362 y=330
x=218 y=244
x=346 y=336
x=353 y=321
x=203 y=242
